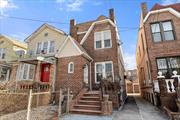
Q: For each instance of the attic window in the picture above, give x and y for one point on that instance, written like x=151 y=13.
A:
x=45 y=34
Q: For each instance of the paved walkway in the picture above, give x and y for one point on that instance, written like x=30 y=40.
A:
x=135 y=109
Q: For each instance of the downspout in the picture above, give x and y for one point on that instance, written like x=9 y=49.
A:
x=55 y=73
x=90 y=77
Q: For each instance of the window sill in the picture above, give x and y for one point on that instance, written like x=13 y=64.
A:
x=102 y=48
x=164 y=41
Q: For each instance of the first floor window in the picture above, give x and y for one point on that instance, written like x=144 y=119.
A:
x=71 y=67
x=168 y=65
x=25 y=72
x=4 y=73
x=103 y=70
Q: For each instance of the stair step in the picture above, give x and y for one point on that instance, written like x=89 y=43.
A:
x=88 y=102
x=87 y=107
x=84 y=111
x=90 y=98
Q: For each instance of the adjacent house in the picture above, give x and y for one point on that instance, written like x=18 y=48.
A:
x=39 y=66
x=158 y=46
x=10 y=50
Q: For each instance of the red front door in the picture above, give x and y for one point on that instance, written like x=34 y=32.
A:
x=45 y=72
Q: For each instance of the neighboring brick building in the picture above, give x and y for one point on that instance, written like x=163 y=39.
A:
x=158 y=45
x=132 y=81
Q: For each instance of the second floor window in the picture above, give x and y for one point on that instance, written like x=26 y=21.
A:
x=45 y=47
x=52 y=46
x=38 y=50
x=2 y=53
x=162 y=31
x=102 y=39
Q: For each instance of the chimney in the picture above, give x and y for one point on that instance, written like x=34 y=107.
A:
x=73 y=29
x=111 y=14
x=144 y=9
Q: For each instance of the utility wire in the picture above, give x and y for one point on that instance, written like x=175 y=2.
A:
x=35 y=20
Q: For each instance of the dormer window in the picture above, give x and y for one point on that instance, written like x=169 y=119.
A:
x=102 y=39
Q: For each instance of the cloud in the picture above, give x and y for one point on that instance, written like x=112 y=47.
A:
x=96 y=3
x=6 y=5
x=167 y=2
x=130 y=61
x=70 y=5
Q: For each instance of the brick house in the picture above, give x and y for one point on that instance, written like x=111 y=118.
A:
x=158 y=45
x=91 y=53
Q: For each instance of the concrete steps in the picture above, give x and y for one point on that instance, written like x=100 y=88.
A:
x=88 y=104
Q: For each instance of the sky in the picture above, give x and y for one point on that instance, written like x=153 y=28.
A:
x=59 y=12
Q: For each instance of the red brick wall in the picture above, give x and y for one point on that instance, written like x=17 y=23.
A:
x=109 y=54
x=165 y=48
x=72 y=80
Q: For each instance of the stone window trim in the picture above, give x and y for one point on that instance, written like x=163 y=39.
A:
x=103 y=69
x=162 y=35
x=71 y=67
x=102 y=39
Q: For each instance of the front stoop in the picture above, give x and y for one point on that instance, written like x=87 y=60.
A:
x=89 y=104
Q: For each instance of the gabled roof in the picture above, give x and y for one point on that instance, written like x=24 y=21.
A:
x=80 y=49
x=157 y=8
x=42 y=27
x=92 y=26
x=15 y=41
x=174 y=6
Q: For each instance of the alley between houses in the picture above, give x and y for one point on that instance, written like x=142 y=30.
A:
x=135 y=108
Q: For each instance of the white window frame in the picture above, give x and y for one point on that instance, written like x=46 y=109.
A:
x=50 y=46
x=20 y=72
x=41 y=46
x=7 y=74
x=104 y=71
x=102 y=40
x=69 y=65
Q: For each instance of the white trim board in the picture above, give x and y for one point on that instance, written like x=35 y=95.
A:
x=174 y=12
x=92 y=26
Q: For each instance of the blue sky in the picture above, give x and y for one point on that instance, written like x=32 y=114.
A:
x=127 y=14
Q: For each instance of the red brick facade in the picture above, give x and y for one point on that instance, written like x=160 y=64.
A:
x=74 y=81
x=148 y=51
